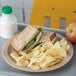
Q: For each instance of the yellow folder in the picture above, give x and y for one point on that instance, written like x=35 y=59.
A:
x=51 y=12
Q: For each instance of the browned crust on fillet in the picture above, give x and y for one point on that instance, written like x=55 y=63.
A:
x=53 y=35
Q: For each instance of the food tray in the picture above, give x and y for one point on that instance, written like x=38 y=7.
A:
x=67 y=70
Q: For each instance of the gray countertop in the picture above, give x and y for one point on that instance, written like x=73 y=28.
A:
x=68 y=70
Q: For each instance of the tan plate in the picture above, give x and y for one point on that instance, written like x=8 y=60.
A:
x=6 y=51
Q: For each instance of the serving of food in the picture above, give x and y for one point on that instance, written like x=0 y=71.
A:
x=37 y=50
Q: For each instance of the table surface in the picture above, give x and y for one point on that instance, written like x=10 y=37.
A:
x=68 y=70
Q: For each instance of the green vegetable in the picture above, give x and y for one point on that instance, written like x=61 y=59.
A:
x=38 y=44
x=40 y=29
x=30 y=43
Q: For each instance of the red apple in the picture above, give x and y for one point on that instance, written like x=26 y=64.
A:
x=71 y=32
